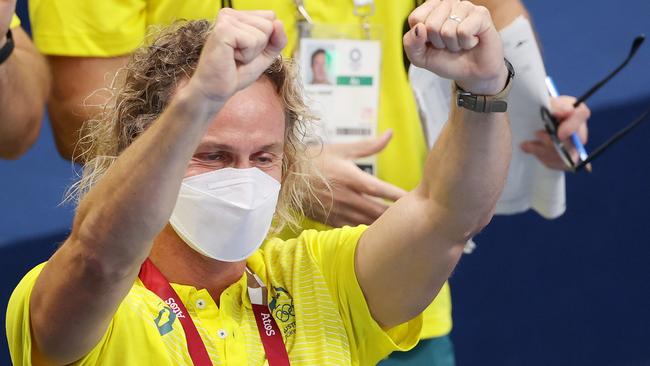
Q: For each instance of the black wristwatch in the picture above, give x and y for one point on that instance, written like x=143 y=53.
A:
x=8 y=48
x=487 y=103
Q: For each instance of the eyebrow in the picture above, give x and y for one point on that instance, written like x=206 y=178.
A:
x=269 y=147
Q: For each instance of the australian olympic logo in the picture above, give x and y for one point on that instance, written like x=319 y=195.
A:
x=283 y=310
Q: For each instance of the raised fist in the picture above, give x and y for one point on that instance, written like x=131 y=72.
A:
x=457 y=40
x=239 y=48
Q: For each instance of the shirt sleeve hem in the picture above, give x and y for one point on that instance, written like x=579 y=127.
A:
x=86 y=46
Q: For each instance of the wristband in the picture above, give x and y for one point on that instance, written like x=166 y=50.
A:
x=487 y=103
x=8 y=47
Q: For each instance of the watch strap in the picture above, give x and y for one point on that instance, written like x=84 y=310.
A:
x=487 y=103
x=8 y=47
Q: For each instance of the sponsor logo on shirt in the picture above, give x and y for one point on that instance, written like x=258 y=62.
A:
x=165 y=320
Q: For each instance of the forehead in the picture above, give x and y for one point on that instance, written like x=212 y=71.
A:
x=254 y=114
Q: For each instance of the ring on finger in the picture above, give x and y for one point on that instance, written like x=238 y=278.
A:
x=455 y=18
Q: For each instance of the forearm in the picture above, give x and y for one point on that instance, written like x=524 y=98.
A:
x=75 y=100
x=465 y=172
x=135 y=198
x=113 y=232
x=24 y=87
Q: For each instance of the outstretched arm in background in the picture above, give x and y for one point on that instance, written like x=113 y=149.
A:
x=24 y=87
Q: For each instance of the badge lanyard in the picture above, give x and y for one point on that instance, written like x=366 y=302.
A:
x=276 y=352
x=340 y=69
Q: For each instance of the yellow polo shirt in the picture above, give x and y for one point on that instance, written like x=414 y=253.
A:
x=15 y=21
x=112 y=28
x=314 y=297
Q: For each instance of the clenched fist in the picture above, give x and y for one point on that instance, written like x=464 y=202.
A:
x=457 y=40
x=237 y=51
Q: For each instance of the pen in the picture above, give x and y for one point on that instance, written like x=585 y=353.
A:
x=582 y=152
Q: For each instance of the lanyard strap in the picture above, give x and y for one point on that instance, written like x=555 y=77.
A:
x=276 y=352
x=156 y=283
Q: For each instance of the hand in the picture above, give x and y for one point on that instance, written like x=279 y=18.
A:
x=467 y=49
x=572 y=120
x=356 y=197
x=242 y=45
x=7 y=9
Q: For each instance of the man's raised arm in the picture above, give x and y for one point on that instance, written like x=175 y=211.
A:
x=118 y=219
x=24 y=87
x=404 y=257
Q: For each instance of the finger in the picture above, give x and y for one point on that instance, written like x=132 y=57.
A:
x=583 y=133
x=273 y=49
x=266 y=14
x=264 y=24
x=562 y=106
x=251 y=41
x=449 y=30
x=543 y=137
x=349 y=207
x=573 y=121
x=278 y=40
x=434 y=23
x=420 y=14
x=366 y=147
x=373 y=186
x=469 y=29
x=545 y=154
x=365 y=207
x=415 y=44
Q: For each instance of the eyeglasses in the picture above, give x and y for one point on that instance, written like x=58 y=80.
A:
x=552 y=124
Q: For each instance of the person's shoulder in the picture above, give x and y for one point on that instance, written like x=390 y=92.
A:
x=17 y=327
x=313 y=247
x=26 y=284
x=311 y=237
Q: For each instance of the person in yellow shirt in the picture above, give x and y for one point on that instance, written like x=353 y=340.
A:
x=183 y=178
x=80 y=39
x=24 y=86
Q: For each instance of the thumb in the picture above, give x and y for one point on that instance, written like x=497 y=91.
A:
x=366 y=147
x=415 y=44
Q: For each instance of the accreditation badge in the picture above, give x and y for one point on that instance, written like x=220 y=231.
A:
x=340 y=75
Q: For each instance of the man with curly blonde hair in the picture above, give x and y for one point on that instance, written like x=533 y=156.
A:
x=187 y=168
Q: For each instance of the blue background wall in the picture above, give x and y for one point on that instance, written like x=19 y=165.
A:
x=573 y=291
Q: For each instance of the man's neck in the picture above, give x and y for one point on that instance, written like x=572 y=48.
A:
x=183 y=265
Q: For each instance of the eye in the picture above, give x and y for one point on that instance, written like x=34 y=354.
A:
x=265 y=159
x=219 y=157
x=214 y=156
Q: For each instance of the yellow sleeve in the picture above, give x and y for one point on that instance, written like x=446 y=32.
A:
x=18 y=327
x=333 y=253
x=87 y=28
x=15 y=21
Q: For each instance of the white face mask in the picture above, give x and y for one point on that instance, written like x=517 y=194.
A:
x=226 y=214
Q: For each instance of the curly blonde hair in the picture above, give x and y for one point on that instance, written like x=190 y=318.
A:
x=144 y=87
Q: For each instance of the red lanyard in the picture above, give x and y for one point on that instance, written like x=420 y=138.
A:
x=276 y=352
